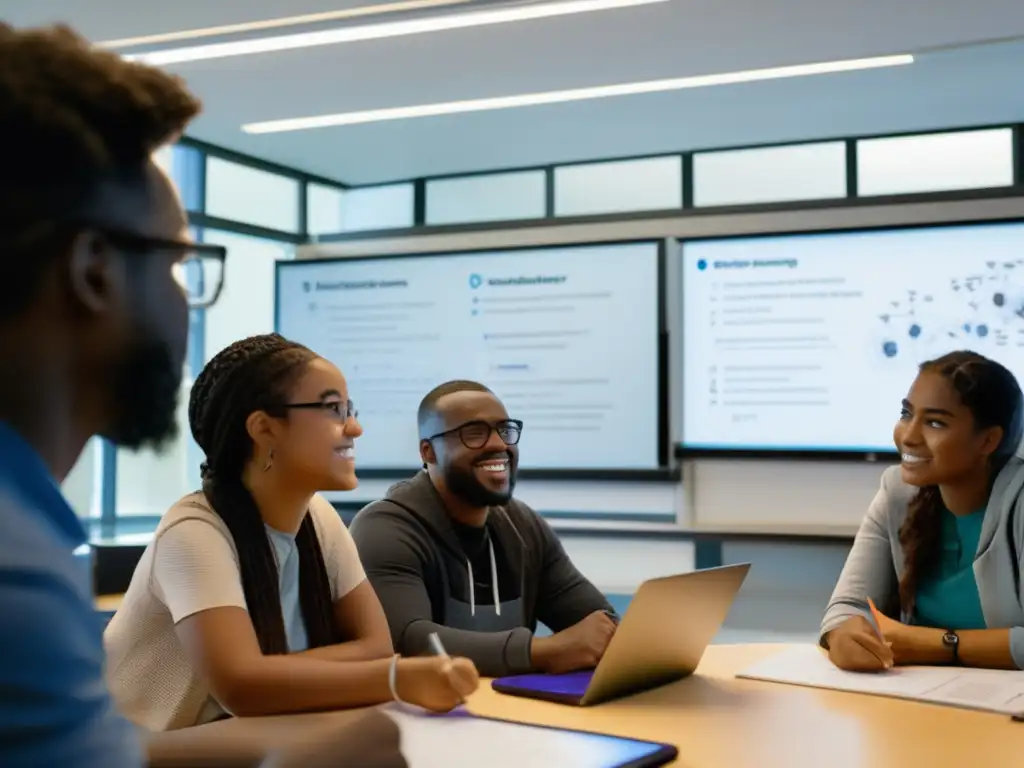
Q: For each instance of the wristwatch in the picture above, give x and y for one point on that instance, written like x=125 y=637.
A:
x=952 y=641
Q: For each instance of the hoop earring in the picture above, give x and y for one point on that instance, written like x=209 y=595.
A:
x=270 y=460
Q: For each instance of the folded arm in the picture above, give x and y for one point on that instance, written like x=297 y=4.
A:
x=196 y=575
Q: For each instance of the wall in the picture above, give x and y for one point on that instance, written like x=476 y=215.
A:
x=738 y=496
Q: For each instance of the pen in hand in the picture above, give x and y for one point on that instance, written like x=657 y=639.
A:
x=438 y=648
x=877 y=620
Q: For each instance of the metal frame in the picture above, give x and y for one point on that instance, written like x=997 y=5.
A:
x=687 y=181
x=682 y=451
x=665 y=472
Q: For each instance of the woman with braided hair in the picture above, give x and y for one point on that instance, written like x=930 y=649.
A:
x=934 y=576
x=251 y=600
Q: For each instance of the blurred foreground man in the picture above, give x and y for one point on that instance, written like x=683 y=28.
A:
x=93 y=329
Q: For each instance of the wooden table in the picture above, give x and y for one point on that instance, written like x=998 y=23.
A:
x=717 y=721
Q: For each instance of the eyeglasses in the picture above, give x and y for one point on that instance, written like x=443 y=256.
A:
x=200 y=271
x=342 y=409
x=475 y=434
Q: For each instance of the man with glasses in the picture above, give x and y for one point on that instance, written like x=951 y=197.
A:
x=450 y=551
x=94 y=252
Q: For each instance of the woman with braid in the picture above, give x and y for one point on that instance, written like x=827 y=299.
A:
x=934 y=576
x=251 y=600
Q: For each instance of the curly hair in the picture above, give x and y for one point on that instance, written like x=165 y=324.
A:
x=251 y=375
x=74 y=118
x=993 y=396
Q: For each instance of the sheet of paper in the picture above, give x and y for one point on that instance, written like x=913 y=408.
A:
x=984 y=689
x=460 y=740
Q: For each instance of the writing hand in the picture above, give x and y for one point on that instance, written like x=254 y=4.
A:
x=436 y=683
x=856 y=646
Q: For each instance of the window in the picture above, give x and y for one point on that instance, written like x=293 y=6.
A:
x=385 y=207
x=246 y=305
x=651 y=184
x=184 y=164
x=770 y=174
x=81 y=487
x=935 y=162
x=148 y=482
x=249 y=195
x=491 y=197
x=324 y=207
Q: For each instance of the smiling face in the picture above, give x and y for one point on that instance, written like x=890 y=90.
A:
x=314 y=442
x=483 y=472
x=938 y=437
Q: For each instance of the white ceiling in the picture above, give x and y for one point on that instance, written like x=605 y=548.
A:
x=979 y=84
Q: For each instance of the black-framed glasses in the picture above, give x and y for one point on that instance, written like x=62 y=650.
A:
x=342 y=409
x=200 y=272
x=475 y=434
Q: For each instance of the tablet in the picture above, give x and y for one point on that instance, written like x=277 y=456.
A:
x=460 y=740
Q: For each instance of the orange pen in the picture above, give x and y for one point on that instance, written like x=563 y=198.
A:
x=877 y=616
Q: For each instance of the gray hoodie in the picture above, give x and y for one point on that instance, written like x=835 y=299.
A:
x=876 y=559
x=416 y=564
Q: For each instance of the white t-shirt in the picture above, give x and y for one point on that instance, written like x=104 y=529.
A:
x=192 y=566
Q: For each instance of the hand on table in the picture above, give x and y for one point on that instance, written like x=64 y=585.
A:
x=436 y=683
x=581 y=646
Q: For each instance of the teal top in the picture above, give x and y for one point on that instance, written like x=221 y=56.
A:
x=948 y=597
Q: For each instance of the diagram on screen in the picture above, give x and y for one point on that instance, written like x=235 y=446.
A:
x=981 y=310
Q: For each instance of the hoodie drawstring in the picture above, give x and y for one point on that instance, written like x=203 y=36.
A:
x=494 y=582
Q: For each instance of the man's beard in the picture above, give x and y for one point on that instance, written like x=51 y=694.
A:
x=465 y=485
x=144 y=390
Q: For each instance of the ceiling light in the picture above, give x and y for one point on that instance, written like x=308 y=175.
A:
x=378 y=31
x=287 y=21
x=576 y=94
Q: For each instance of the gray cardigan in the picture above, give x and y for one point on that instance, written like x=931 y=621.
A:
x=876 y=559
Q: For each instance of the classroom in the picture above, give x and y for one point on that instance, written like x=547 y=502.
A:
x=564 y=227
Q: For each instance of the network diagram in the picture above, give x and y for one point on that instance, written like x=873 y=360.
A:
x=981 y=310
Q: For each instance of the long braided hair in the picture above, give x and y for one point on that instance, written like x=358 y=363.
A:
x=993 y=396
x=255 y=374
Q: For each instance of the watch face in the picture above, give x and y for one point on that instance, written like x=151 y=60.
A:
x=951 y=638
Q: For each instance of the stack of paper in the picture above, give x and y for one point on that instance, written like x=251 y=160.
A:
x=985 y=689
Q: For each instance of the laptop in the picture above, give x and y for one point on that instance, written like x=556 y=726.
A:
x=668 y=625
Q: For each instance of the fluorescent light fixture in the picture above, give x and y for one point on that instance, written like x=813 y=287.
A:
x=576 y=94
x=286 y=21
x=378 y=31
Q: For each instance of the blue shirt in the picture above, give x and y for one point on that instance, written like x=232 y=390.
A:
x=286 y=555
x=55 y=709
x=948 y=597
